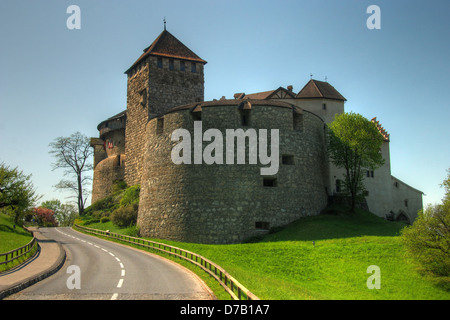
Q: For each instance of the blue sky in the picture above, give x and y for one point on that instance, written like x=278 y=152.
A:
x=55 y=81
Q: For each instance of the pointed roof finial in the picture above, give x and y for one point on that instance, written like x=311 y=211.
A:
x=164 y=23
x=311 y=75
x=326 y=79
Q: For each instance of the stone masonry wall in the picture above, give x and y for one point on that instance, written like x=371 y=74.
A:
x=224 y=203
x=153 y=91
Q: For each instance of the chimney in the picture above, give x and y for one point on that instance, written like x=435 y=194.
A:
x=290 y=88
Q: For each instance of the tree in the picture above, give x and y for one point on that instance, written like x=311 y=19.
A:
x=17 y=193
x=427 y=240
x=73 y=154
x=65 y=214
x=44 y=217
x=354 y=143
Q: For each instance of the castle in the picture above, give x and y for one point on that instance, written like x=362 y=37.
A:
x=216 y=203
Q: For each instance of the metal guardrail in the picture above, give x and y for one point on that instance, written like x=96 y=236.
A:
x=236 y=290
x=17 y=253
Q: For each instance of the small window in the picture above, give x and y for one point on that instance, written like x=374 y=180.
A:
x=160 y=126
x=197 y=116
x=338 y=185
x=171 y=64
x=324 y=106
x=406 y=202
x=159 y=63
x=269 y=182
x=287 y=159
x=262 y=225
x=182 y=66
x=193 y=67
x=143 y=99
x=396 y=184
x=369 y=173
x=298 y=121
x=245 y=118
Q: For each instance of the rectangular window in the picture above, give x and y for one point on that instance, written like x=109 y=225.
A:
x=160 y=126
x=171 y=64
x=298 y=121
x=269 y=182
x=324 y=106
x=369 y=173
x=245 y=118
x=159 y=63
x=182 y=66
x=287 y=159
x=338 y=186
x=263 y=225
x=193 y=67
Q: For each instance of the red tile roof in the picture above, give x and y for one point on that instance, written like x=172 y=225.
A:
x=319 y=89
x=166 y=45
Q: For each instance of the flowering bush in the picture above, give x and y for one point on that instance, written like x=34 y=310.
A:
x=44 y=217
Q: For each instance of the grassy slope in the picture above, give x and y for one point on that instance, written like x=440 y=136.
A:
x=11 y=238
x=286 y=264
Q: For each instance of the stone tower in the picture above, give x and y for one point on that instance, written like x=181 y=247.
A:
x=166 y=75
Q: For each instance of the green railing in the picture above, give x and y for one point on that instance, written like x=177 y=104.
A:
x=236 y=290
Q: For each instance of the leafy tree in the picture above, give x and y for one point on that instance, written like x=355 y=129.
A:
x=65 y=214
x=17 y=193
x=44 y=217
x=428 y=239
x=73 y=155
x=354 y=144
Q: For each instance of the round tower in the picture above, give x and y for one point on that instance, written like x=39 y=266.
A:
x=223 y=202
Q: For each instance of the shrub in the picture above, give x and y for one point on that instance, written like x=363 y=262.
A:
x=428 y=239
x=44 y=217
x=104 y=219
x=130 y=196
x=125 y=216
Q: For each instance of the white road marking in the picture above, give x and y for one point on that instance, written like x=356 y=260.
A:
x=119 y=285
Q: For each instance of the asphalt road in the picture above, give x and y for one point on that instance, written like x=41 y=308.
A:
x=97 y=269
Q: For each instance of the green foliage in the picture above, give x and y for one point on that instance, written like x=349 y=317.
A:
x=65 y=214
x=428 y=239
x=130 y=196
x=17 y=193
x=125 y=216
x=121 y=207
x=354 y=144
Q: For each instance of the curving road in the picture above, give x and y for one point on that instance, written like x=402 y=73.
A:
x=99 y=269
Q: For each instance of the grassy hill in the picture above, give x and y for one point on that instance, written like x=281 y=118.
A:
x=288 y=265
x=11 y=238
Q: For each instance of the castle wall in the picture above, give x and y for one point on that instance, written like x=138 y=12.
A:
x=152 y=91
x=137 y=118
x=105 y=173
x=405 y=200
x=224 y=203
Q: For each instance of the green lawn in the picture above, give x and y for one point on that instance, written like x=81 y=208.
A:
x=12 y=238
x=286 y=265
